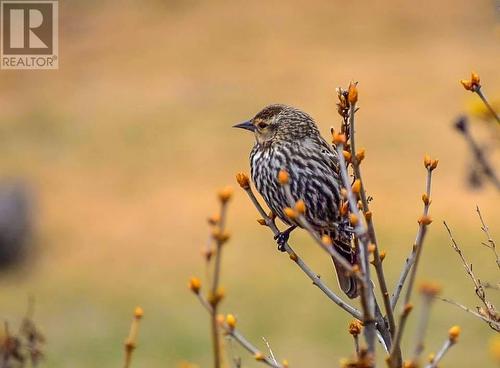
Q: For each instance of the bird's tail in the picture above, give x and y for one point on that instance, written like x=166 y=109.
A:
x=348 y=283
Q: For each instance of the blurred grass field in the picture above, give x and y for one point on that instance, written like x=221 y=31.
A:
x=126 y=144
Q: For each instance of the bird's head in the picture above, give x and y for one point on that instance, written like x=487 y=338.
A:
x=280 y=122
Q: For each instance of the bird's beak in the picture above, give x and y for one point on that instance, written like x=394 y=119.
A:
x=246 y=125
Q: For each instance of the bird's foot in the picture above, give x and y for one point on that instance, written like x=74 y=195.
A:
x=282 y=238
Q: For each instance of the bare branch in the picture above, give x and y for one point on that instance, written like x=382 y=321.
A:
x=411 y=267
x=493 y=324
x=478 y=287
x=219 y=242
x=441 y=353
x=483 y=98
x=419 y=239
x=367 y=295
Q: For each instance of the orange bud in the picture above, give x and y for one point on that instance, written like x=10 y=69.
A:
x=371 y=248
x=360 y=156
x=300 y=207
x=225 y=194
x=454 y=333
x=285 y=363
x=220 y=319
x=409 y=364
x=425 y=199
x=407 y=308
x=259 y=356
x=283 y=177
x=294 y=257
x=326 y=240
x=138 y=312
x=434 y=164
x=356 y=186
x=427 y=161
x=430 y=289
x=194 y=284
x=243 y=180
x=353 y=219
x=344 y=208
x=220 y=236
x=383 y=253
x=352 y=95
x=214 y=219
x=347 y=155
x=368 y=215
x=290 y=213
x=425 y=220
x=474 y=78
x=467 y=84
x=231 y=321
x=220 y=293
x=355 y=327
x=431 y=357
x=339 y=139
x=261 y=221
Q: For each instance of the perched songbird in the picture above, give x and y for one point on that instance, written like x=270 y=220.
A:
x=288 y=139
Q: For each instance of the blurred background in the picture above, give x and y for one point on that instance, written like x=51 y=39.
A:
x=122 y=150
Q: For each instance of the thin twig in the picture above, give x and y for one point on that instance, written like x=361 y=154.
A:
x=489 y=285
x=495 y=325
x=369 y=222
x=440 y=354
x=411 y=258
x=371 y=232
x=215 y=283
x=411 y=268
x=367 y=295
x=478 y=287
x=131 y=341
x=270 y=350
x=487 y=104
x=428 y=294
x=490 y=311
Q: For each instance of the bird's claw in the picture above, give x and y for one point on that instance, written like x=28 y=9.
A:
x=281 y=239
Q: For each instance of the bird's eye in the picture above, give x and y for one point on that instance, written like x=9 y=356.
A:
x=262 y=125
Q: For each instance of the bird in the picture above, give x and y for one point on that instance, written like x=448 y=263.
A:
x=288 y=139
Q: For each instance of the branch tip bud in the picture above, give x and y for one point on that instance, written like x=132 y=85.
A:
x=454 y=333
x=300 y=207
x=231 y=321
x=243 y=180
x=352 y=94
x=195 y=284
x=290 y=213
x=225 y=194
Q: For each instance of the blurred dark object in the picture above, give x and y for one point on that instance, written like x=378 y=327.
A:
x=15 y=222
x=26 y=345
x=481 y=168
